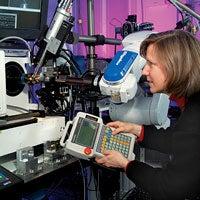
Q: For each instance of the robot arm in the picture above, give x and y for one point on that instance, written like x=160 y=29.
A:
x=120 y=81
x=124 y=71
x=143 y=110
x=58 y=32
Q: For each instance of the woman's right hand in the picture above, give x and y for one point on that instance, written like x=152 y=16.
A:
x=119 y=126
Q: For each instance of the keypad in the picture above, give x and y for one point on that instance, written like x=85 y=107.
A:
x=119 y=142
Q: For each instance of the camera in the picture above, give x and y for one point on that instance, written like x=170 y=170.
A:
x=131 y=26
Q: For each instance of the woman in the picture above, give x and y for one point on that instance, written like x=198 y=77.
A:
x=173 y=67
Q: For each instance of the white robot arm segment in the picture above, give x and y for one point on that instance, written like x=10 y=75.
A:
x=117 y=81
x=143 y=110
x=124 y=71
x=120 y=82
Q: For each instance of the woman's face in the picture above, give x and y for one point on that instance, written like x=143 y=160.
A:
x=154 y=71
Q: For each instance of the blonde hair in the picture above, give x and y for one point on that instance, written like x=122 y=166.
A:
x=179 y=53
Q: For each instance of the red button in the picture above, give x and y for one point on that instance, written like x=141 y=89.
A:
x=87 y=150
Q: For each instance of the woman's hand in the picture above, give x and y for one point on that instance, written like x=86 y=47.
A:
x=113 y=158
x=125 y=127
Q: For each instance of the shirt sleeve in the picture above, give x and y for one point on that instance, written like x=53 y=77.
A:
x=140 y=139
x=156 y=139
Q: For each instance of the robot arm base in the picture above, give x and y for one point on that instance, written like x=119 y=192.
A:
x=143 y=110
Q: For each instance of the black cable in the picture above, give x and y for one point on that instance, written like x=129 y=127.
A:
x=67 y=50
x=17 y=108
x=83 y=106
x=72 y=106
x=75 y=69
x=87 y=72
x=72 y=60
x=115 y=47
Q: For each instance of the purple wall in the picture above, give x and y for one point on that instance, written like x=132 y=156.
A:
x=109 y=14
x=51 y=9
x=112 y=13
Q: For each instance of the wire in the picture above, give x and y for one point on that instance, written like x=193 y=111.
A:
x=72 y=58
x=115 y=19
x=115 y=25
x=68 y=52
x=71 y=61
x=98 y=71
x=17 y=108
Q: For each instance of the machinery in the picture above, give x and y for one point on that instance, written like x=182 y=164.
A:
x=129 y=101
x=120 y=81
x=62 y=87
x=17 y=64
x=57 y=34
x=190 y=19
x=124 y=71
x=20 y=120
x=17 y=123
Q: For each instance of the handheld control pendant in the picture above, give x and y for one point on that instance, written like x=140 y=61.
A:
x=89 y=137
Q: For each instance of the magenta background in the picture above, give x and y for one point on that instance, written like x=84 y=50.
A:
x=112 y=13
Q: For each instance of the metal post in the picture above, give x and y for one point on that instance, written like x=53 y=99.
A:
x=91 y=48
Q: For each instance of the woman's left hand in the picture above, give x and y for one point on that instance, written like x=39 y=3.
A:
x=113 y=158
